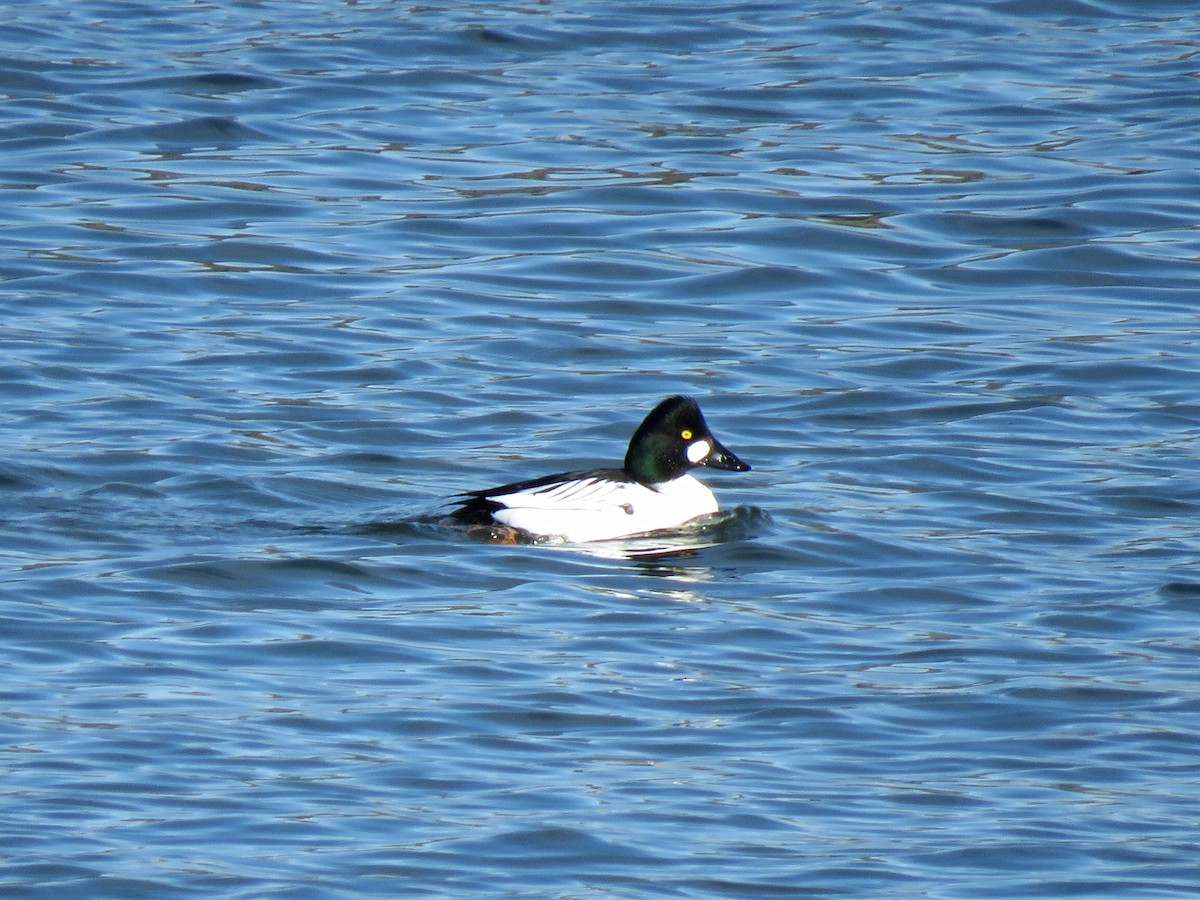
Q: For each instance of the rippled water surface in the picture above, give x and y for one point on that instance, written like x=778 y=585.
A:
x=281 y=278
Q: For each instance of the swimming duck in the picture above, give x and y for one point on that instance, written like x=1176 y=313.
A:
x=651 y=491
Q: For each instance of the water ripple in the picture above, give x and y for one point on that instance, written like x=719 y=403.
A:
x=279 y=284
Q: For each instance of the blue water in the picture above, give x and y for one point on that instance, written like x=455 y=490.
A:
x=279 y=278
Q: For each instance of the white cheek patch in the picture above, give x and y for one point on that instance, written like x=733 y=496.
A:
x=697 y=451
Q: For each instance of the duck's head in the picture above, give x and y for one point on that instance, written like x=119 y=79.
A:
x=673 y=439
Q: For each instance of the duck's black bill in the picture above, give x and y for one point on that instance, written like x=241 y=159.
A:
x=721 y=458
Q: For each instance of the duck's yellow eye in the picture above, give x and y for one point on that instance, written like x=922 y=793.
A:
x=685 y=434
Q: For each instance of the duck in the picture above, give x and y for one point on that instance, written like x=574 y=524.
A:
x=653 y=489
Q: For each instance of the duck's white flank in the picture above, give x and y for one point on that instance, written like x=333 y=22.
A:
x=596 y=509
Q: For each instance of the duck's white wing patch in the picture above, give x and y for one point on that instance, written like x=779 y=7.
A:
x=577 y=494
x=599 y=509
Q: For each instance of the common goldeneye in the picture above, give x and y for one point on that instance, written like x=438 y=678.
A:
x=651 y=491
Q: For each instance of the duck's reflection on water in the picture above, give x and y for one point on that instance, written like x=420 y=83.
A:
x=660 y=548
